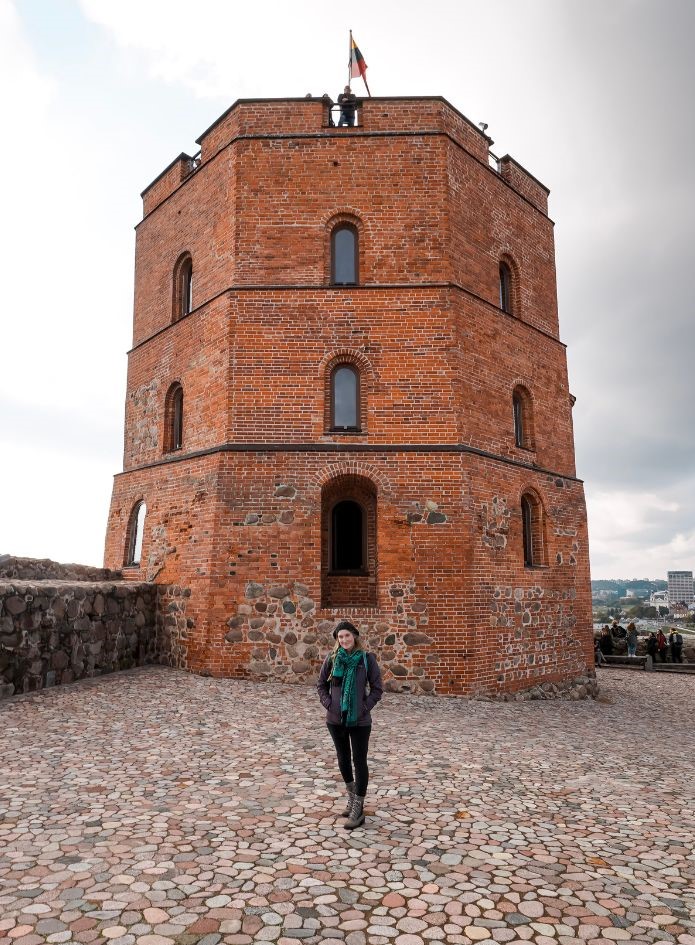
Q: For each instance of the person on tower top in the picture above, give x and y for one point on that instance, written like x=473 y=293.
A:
x=348 y=106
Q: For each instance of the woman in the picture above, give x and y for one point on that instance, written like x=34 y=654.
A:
x=599 y=658
x=342 y=689
x=606 y=641
x=661 y=644
x=631 y=639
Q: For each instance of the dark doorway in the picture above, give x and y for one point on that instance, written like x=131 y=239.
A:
x=347 y=537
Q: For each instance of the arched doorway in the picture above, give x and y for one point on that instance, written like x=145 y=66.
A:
x=348 y=543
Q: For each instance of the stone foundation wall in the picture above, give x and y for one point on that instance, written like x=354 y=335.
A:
x=173 y=625
x=583 y=687
x=54 y=632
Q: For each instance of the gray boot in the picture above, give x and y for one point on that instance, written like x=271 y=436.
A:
x=350 y=788
x=356 y=818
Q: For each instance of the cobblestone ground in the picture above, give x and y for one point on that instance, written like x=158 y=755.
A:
x=157 y=807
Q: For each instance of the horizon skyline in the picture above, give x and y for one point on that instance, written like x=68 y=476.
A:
x=118 y=90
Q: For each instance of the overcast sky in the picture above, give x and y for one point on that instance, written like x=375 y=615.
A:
x=594 y=97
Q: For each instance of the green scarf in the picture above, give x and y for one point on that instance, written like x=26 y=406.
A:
x=344 y=667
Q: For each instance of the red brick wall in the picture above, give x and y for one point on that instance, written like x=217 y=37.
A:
x=245 y=531
x=448 y=604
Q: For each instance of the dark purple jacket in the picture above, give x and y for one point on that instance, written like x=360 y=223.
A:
x=330 y=692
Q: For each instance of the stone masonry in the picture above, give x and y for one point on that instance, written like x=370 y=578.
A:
x=73 y=622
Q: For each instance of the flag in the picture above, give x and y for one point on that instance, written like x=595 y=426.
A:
x=358 y=67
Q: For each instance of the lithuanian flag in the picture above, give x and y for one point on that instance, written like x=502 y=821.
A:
x=358 y=67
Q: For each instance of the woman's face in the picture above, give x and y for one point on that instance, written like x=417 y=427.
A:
x=346 y=640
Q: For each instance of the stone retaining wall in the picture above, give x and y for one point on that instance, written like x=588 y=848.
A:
x=620 y=646
x=54 y=632
x=43 y=569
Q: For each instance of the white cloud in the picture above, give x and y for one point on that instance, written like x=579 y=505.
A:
x=619 y=514
x=19 y=70
x=224 y=49
x=626 y=532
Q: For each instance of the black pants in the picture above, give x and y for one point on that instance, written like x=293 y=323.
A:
x=356 y=738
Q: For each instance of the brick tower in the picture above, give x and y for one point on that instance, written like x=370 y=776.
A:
x=347 y=397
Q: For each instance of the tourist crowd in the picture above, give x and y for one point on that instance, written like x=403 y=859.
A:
x=659 y=647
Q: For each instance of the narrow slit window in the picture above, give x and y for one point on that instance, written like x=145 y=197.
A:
x=518 y=405
x=137 y=530
x=527 y=525
x=345 y=398
x=187 y=288
x=177 y=419
x=522 y=409
x=505 y=288
x=344 y=255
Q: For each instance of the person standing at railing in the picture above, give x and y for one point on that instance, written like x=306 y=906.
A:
x=599 y=658
x=606 y=641
x=328 y=102
x=348 y=106
x=631 y=639
x=661 y=645
x=675 y=639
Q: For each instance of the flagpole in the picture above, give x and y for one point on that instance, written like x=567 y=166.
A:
x=350 y=62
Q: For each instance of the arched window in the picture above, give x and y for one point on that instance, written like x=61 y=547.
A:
x=522 y=408
x=347 y=537
x=345 y=398
x=136 y=530
x=173 y=418
x=344 y=255
x=533 y=530
x=183 y=287
x=505 y=287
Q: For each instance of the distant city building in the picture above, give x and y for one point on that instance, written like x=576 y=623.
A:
x=680 y=587
x=659 y=599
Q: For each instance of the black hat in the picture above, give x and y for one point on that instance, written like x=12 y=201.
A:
x=345 y=625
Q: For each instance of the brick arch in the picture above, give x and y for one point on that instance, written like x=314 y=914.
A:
x=349 y=467
x=366 y=380
x=509 y=260
x=349 y=584
x=330 y=222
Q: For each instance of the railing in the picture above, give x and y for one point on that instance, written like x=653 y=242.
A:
x=193 y=164
x=494 y=162
x=337 y=117
x=647 y=663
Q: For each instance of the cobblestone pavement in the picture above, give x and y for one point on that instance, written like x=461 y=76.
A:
x=157 y=807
